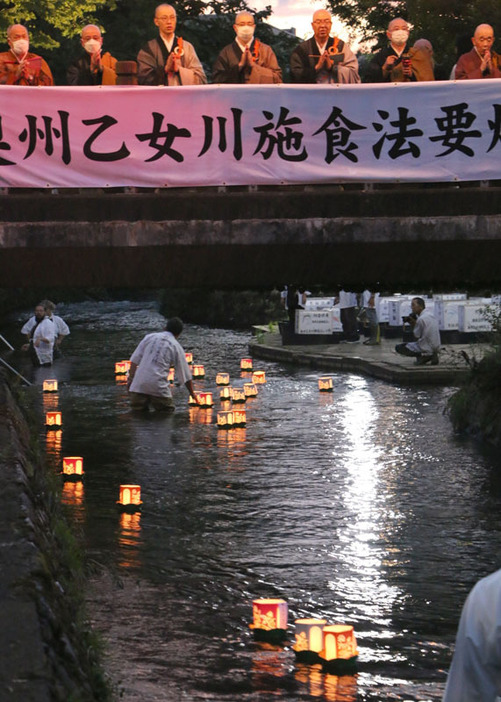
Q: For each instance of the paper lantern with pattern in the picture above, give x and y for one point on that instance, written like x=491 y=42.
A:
x=225 y=393
x=259 y=377
x=325 y=384
x=238 y=396
x=309 y=639
x=250 y=390
x=49 y=385
x=122 y=367
x=53 y=420
x=198 y=370
x=246 y=364
x=269 y=619
x=130 y=498
x=339 y=652
x=73 y=467
x=222 y=379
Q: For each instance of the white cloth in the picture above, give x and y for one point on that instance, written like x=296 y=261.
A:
x=347 y=299
x=44 y=349
x=427 y=334
x=154 y=356
x=366 y=296
x=62 y=328
x=475 y=673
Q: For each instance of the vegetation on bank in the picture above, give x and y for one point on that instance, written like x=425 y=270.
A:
x=476 y=407
x=57 y=579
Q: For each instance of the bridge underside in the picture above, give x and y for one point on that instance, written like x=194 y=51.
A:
x=400 y=239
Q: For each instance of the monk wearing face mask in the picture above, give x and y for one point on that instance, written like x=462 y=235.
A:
x=19 y=66
x=246 y=60
x=92 y=67
x=398 y=62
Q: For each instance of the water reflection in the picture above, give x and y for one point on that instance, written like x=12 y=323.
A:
x=357 y=506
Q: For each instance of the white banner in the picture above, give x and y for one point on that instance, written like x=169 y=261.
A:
x=213 y=135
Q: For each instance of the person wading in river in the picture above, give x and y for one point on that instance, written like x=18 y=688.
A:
x=149 y=368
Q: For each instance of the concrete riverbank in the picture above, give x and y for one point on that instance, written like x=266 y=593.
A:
x=376 y=361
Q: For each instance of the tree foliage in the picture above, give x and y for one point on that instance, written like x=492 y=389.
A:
x=440 y=21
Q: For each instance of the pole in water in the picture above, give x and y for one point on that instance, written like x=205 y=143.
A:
x=6 y=342
x=15 y=371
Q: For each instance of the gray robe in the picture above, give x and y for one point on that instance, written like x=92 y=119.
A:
x=264 y=70
x=151 y=61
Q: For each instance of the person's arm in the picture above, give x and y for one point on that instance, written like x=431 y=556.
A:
x=191 y=71
x=149 y=71
x=347 y=72
x=225 y=70
x=189 y=387
x=301 y=71
x=268 y=70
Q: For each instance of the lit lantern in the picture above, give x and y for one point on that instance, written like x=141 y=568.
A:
x=223 y=379
x=225 y=393
x=122 y=367
x=239 y=418
x=171 y=374
x=250 y=390
x=205 y=399
x=189 y=357
x=73 y=467
x=269 y=619
x=53 y=420
x=339 y=650
x=246 y=364
x=225 y=420
x=238 y=396
x=49 y=386
x=191 y=400
x=325 y=384
x=130 y=498
x=198 y=371
x=259 y=377
x=309 y=639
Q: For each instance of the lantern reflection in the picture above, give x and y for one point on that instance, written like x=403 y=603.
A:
x=128 y=540
x=122 y=367
x=53 y=420
x=312 y=676
x=259 y=377
x=250 y=390
x=73 y=468
x=269 y=619
x=72 y=493
x=50 y=401
x=238 y=396
x=130 y=498
x=225 y=393
x=246 y=364
x=325 y=384
x=340 y=688
x=198 y=371
x=222 y=379
x=197 y=417
x=49 y=386
x=53 y=443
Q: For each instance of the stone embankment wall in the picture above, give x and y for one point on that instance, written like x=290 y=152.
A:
x=47 y=650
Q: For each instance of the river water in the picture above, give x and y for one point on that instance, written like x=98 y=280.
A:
x=359 y=506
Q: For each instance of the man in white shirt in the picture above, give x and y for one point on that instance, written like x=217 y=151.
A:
x=40 y=333
x=323 y=59
x=149 y=368
x=168 y=59
x=425 y=329
x=475 y=673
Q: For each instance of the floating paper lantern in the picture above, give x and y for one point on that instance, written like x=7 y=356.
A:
x=225 y=393
x=339 y=650
x=205 y=399
x=49 y=386
x=238 y=396
x=122 y=367
x=189 y=357
x=250 y=390
x=246 y=364
x=225 y=420
x=269 y=619
x=325 y=384
x=191 y=400
x=223 y=379
x=171 y=374
x=239 y=418
x=198 y=371
x=259 y=377
x=53 y=420
x=309 y=639
x=73 y=467
x=130 y=498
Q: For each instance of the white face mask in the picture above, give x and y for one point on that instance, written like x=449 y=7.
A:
x=20 y=47
x=399 y=37
x=92 y=46
x=245 y=34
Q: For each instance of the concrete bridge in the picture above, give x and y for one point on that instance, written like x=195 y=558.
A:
x=404 y=237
